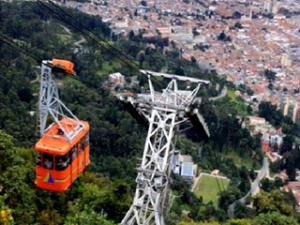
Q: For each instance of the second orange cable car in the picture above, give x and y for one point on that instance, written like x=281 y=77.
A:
x=63 y=149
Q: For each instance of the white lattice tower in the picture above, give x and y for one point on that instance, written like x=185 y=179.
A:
x=51 y=105
x=164 y=112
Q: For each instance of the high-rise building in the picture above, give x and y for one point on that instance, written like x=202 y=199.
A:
x=290 y=108
x=296 y=114
x=268 y=6
x=285 y=60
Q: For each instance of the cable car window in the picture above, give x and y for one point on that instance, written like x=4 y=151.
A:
x=81 y=147
x=62 y=162
x=48 y=161
x=86 y=141
x=38 y=159
x=74 y=152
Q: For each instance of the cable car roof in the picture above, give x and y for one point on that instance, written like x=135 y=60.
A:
x=54 y=143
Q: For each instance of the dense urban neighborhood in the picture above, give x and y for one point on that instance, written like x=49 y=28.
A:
x=255 y=43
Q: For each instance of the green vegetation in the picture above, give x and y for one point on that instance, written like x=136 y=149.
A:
x=230 y=222
x=288 y=148
x=236 y=102
x=29 y=205
x=209 y=188
x=274 y=219
x=238 y=160
x=262 y=219
x=274 y=201
x=277 y=119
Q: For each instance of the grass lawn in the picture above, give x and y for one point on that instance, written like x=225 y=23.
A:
x=107 y=68
x=65 y=38
x=209 y=187
x=238 y=160
x=239 y=104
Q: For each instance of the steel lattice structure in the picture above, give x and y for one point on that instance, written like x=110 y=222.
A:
x=51 y=105
x=164 y=112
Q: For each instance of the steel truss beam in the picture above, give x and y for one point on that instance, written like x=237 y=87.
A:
x=164 y=111
x=51 y=105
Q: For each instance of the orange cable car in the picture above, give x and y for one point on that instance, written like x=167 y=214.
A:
x=65 y=65
x=63 y=150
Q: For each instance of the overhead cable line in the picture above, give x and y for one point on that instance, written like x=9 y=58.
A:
x=20 y=48
x=75 y=24
x=130 y=59
x=27 y=52
x=100 y=41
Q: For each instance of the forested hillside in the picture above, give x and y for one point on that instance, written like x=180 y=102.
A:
x=103 y=194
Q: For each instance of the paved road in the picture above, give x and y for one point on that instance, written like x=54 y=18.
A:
x=79 y=42
x=263 y=172
x=221 y=95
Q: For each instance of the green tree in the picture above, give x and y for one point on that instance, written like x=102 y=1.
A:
x=268 y=185
x=229 y=196
x=274 y=218
x=242 y=211
x=6 y=217
x=270 y=113
x=270 y=75
x=275 y=201
x=190 y=222
x=6 y=151
x=238 y=222
x=87 y=216
x=49 y=217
